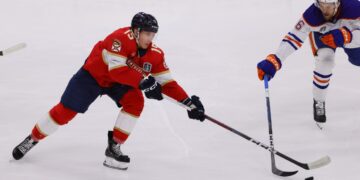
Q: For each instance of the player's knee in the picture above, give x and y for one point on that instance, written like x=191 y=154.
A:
x=134 y=104
x=135 y=107
x=326 y=54
x=61 y=114
x=325 y=58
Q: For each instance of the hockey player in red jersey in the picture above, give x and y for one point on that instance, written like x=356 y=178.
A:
x=329 y=24
x=105 y=72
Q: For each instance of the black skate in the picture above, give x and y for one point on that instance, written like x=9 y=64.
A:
x=24 y=147
x=319 y=113
x=114 y=157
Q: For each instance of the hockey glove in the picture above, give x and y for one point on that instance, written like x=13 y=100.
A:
x=268 y=66
x=337 y=38
x=151 y=88
x=197 y=109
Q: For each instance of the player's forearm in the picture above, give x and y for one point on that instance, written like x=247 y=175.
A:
x=293 y=40
x=284 y=51
x=174 y=90
x=169 y=86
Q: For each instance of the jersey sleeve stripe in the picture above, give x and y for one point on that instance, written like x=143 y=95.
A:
x=163 y=77
x=166 y=82
x=113 y=60
x=160 y=73
x=299 y=44
x=284 y=40
x=295 y=37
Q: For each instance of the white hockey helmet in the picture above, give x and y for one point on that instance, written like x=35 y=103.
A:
x=336 y=2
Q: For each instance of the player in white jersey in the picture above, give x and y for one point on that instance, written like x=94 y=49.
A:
x=330 y=24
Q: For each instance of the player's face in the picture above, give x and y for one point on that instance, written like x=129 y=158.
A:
x=328 y=10
x=145 y=39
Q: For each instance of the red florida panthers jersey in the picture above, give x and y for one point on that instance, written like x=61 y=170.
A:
x=107 y=64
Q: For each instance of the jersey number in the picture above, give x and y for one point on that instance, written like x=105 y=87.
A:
x=299 y=25
x=129 y=34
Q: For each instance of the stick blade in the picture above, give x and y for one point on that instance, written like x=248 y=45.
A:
x=13 y=48
x=277 y=171
x=283 y=173
x=319 y=163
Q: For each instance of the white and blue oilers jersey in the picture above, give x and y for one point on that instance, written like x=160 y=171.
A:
x=347 y=15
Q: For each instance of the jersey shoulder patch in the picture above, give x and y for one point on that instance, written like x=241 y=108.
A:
x=122 y=39
x=313 y=16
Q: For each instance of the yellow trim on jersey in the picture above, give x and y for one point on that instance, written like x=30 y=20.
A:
x=161 y=73
x=41 y=132
x=53 y=120
x=166 y=82
x=156 y=50
x=103 y=57
x=116 y=67
x=114 y=54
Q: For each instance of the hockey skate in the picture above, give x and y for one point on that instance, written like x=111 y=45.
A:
x=114 y=157
x=24 y=147
x=319 y=113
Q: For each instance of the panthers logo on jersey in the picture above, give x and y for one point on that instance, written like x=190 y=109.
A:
x=116 y=46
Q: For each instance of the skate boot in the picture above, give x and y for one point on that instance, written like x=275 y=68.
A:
x=114 y=157
x=319 y=111
x=24 y=147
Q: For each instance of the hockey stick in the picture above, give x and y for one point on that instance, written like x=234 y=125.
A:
x=12 y=49
x=274 y=169
x=313 y=165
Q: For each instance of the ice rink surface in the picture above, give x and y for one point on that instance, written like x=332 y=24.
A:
x=212 y=48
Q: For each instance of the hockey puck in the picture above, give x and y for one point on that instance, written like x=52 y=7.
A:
x=309 y=178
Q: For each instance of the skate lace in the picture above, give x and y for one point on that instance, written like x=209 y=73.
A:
x=116 y=149
x=26 y=146
x=320 y=108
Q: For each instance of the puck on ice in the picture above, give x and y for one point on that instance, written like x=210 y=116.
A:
x=310 y=178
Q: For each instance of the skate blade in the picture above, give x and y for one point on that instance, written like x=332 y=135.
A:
x=320 y=125
x=112 y=163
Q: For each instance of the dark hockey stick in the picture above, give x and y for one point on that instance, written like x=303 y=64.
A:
x=274 y=169
x=313 y=165
x=12 y=49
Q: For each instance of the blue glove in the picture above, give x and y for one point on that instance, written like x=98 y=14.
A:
x=268 y=66
x=337 y=38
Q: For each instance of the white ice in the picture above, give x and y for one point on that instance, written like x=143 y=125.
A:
x=212 y=48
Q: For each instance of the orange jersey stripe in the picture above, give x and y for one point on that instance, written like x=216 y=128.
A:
x=312 y=43
x=299 y=44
